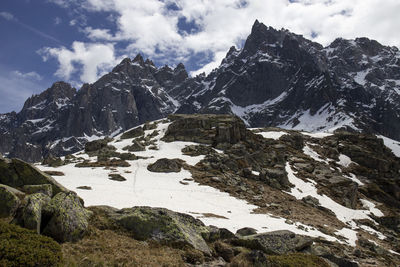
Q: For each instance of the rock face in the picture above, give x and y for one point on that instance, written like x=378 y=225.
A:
x=17 y=173
x=9 y=201
x=67 y=219
x=162 y=225
x=31 y=217
x=277 y=79
x=205 y=129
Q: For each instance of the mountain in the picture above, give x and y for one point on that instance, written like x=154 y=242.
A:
x=278 y=79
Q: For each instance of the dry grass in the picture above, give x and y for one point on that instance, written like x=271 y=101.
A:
x=108 y=248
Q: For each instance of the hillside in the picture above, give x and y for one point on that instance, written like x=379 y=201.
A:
x=336 y=193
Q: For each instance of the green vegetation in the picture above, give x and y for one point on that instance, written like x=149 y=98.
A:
x=22 y=247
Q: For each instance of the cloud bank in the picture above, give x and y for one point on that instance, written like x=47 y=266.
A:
x=173 y=31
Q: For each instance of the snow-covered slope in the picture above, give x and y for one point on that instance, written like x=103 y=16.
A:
x=214 y=203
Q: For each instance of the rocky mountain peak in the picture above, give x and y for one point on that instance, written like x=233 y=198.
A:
x=262 y=34
x=59 y=90
x=139 y=59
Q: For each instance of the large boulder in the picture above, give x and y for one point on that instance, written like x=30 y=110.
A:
x=166 y=165
x=97 y=144
x=67 y=219
x=17 y=173
x=9 y=201
x=162 y=225
x=206 y=128
x=135 y=132
x=31 y=216
x=276 y=242
x=41 y=188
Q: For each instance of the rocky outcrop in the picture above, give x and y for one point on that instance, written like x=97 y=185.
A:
x=162 y=225
x=65 y=217
x=277 y=242
x=166 y=165
x=205 y=129
x=9 y=201
x=17 y=173
x=31 y=213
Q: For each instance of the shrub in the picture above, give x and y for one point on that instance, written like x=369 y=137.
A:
x=22 y=247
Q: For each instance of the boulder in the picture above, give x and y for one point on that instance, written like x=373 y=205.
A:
x=9 y=201
x=67 y=219
x=136 y=146
x=246 y=231
x=97 y=144
x=116 y=177
x=162 y=225
x=53 y=161
x=210 y=129
x=275 y=177
x=17 y=173
x=41 y=188
x=295 y=140
x=276 y=242
x=31 y=216
x=135 y=132
x=166 y=165
x=312 y=201
x=197 y=150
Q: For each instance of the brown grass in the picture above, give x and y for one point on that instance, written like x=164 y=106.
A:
x=108 y=248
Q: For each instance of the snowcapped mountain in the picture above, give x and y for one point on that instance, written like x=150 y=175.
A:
x=277 y=79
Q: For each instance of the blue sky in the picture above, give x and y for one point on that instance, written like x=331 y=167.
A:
x=77 y=41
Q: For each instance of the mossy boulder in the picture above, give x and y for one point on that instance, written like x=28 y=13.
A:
x=166 y=165
x=276 y=242
x=22 y=247
x=162 y=225
x=66 y=218
x=135 y=132
x=9 y=201
x=30 y=215
x=17 y=173
x=41 y=188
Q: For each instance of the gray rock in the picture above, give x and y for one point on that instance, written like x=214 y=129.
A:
x=165 y=165
x=277 y=242
x=42 y=188
x=68 y=219
x=162 y=225
x=136 y=146
x=9 y=201
x=246 y=231
x=31 y=217
x=312 y=201
x=17 y=173
x=135 y=132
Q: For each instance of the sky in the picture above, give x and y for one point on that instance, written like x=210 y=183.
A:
x=77 y=41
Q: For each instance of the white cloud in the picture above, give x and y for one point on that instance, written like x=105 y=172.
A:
x=28 y=75
x=7 y=15
x=92 y=59
x=151 y=26
x=16 y=88
x=57 y=20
